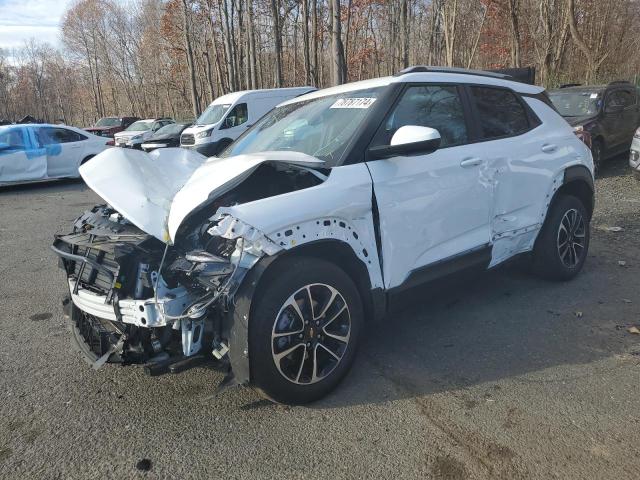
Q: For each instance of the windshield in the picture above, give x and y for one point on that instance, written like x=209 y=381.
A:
x=321 y=127
x=171 y=129
x=108 y=122
x=140 y=126
x=576 y=104
x=213 y=114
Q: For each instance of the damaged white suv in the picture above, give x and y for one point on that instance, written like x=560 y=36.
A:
x=276 y=256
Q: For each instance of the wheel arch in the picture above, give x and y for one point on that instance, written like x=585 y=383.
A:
x=578 y=182
x=87 y=158
x=236 y=319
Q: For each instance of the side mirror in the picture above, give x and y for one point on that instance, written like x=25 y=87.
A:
x=409 y=140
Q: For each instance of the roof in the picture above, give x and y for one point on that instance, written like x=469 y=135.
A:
x=433 y=75
x=234 y=96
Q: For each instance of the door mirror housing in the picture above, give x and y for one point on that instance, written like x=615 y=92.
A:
x=409 y=140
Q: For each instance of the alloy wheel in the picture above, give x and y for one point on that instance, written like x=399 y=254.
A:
x=311 y=334
x=571 y=239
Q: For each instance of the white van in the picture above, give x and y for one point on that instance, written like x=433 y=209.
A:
x=230 y=115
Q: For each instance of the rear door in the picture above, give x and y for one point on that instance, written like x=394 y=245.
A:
x=521 y=159
x=613 y=121
x=21 y=157
x=432 y=207
x=64 y=150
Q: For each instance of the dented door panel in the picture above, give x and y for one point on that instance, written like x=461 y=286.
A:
x=21 y=157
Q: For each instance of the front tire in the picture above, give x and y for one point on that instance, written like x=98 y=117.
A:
x=304 y=330
x=563 y=243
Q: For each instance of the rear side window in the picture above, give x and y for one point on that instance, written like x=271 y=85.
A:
x=501 y=113
x=435 y=106
x=51 y=135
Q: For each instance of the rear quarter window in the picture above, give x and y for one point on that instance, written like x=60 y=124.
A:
x=500 y=112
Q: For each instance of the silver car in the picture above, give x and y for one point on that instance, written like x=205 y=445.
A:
x=634 y=155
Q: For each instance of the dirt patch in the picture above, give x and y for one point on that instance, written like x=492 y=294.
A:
x=449 y=468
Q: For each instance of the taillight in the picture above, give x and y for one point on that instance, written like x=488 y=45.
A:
x=111 y=143
x=583 y=135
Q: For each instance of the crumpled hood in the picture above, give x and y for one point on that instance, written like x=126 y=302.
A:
x=156 y=191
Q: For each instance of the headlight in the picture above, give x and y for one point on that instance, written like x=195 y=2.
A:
x=637 y=134
x=204 y=134
x=578 y=128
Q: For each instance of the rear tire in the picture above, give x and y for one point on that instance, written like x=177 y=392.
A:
x=292 y=361
x=563 y=243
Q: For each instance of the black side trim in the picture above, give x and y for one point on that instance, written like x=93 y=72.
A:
x=478 y=257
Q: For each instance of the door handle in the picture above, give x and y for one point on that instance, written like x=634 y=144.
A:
x=549 y=148
x=470 y=162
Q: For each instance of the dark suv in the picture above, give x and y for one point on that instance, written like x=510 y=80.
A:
x=608 y=115
x=109 y=126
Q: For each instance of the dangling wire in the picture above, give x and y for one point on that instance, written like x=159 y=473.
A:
x=201 y=306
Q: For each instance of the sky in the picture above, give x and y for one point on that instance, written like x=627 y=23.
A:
x=21 y=20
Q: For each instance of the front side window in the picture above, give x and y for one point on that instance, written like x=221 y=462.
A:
x=432 y=106
x=501 y=113
x=322 y=127
x=12 y=139
x=620 y=99
x=237 y=116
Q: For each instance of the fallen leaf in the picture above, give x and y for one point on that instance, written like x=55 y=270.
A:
x=578 y=314
x=622 y=263
x=634 y=330
x=606 y=228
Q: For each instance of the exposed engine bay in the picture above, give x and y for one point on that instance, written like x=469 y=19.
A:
x=136 y=299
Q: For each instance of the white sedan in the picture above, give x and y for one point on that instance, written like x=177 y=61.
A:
x=36 y=152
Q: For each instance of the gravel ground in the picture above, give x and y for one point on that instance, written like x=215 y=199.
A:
x=502 y=377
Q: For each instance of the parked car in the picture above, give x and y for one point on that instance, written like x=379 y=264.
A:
x=231 y=115
x=634 y=155
x=167 y=136
x=138 y=132
x=277 y=256
x=109 y=126
x=36 y=152
x=608 y=114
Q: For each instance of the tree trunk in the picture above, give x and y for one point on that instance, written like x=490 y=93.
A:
x=515 y=33
x=338 y=64
x=277 y=40
x=190 y=64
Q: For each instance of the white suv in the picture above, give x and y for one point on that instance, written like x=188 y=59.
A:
x=274 y=257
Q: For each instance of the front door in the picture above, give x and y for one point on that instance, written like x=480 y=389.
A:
x=432 y=207
x=21 y=158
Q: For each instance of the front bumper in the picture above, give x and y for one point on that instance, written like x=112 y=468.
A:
x=142 y=313
x=206 y=149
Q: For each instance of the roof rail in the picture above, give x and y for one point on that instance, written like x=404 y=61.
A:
x=464 y=71
x=523 y=75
